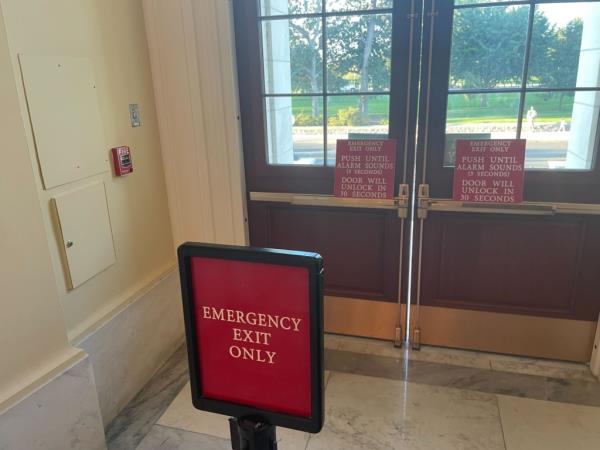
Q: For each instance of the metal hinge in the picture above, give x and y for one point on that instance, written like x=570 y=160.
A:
x=403 y=196
x=422 y=201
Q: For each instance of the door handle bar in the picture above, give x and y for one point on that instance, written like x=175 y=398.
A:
x=525 y=208
x=492 y=208
x=399 y=203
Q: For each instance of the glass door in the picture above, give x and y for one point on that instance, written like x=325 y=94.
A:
x=311 y=72
x=510 y=279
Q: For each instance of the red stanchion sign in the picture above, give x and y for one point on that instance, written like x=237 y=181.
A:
x=365 y=168
x=254 y=330
x=489 y=171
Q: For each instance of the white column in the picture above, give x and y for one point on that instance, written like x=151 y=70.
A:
x=192 y=56
x=277 y=74
x=586 y=107
x=275 y=7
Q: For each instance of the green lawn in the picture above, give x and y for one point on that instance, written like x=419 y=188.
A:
x=462 y=109
x=378 y=106
x=504 y=107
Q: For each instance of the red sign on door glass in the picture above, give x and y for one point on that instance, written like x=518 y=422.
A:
x=253 y=333
x=489 y=171
x=365 y=168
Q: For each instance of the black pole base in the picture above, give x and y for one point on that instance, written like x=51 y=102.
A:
x=252 y=433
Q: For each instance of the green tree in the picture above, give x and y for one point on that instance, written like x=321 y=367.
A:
x=358 y=47
x=542 y=50
x=565 y=58
x=306 y=51
x=566 y=55
x=488 y=47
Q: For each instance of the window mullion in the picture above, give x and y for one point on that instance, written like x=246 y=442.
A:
x=324 y=81
x=525 y=69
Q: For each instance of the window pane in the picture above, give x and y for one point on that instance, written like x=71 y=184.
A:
x=488 y=47
x=359 y=53
x=565 y=46
x=294 y=129
x=561 y=129
x=292 y=56
x=284 y=7
x=479 y=116
x=357 y=5
x=359 y=115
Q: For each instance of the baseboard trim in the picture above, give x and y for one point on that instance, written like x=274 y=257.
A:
x=129 y=347
x=539 y=337
x=534 y=336
x=97 y=321
x=70 y=358
x=365 y=318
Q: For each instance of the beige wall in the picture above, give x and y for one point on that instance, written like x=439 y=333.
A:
x=32 y=332
x=112 y=34
x=196 y=95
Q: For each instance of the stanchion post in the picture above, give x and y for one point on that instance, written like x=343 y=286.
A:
x=252 y=434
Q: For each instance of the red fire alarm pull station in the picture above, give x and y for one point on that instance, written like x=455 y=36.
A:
x=122 y=160
x=254 y=329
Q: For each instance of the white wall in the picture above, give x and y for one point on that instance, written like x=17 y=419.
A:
x=193 y=67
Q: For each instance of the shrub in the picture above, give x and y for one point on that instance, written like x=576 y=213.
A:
x=302 y=119
x=346 y=117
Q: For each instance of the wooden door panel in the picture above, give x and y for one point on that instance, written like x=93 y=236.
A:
x=359 y=246
x=587 y=289
x=534 y=265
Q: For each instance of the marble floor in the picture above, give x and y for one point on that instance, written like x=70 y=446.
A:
x=379 y=397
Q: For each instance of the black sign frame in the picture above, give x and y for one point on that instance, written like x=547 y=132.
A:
x=311 y=261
